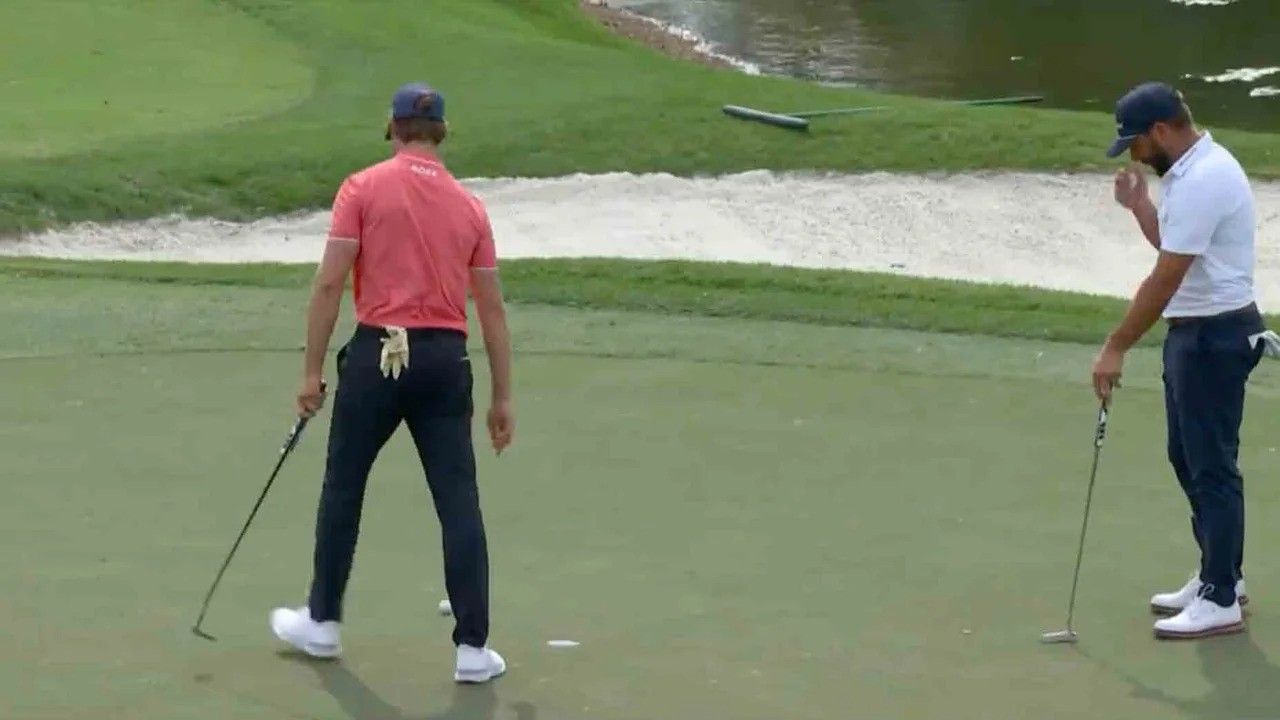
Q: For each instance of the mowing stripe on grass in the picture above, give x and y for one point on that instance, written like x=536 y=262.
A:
x=704 y=289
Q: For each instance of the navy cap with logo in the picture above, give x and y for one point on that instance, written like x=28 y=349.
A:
x=1141 y=108
x=416 y=100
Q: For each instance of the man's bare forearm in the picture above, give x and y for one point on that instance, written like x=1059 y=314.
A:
x=322 y=316
x=1148 y=303
x=497 y=345
x=1149 y=221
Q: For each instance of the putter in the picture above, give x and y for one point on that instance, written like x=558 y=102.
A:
x=1069 y=635
x=290 y=442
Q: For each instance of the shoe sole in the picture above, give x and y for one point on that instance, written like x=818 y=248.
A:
x=1211 y=632
x=319 y=652
x=477 y=677
x=1166 y=611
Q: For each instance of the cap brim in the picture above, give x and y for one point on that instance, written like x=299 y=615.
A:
x=1120 y=145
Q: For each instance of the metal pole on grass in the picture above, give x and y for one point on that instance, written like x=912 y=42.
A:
x=800 y=120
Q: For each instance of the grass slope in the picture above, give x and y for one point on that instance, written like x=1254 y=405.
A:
x=535 y=88
x=72 y=319
x=83 y=76
x=703 y=289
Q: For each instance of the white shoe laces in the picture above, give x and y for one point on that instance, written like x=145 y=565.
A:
x=1196 y=608
x=1200 y=605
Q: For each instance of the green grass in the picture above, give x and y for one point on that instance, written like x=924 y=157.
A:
x=749 y=492
x=63 y=319
x=80 y=77
x=534 y=87
x=736 y=518
x=686 y=288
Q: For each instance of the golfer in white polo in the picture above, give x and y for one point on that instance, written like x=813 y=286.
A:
x=1202 y=284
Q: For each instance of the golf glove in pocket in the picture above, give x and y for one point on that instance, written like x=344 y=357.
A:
x=1271 y=343
x=395 y=352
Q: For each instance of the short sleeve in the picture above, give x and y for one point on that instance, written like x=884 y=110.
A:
x=348 y=212
x=1190 y=216
x=485 y=255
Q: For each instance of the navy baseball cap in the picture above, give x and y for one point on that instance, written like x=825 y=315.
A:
x=416 y=100
x=1140 y=108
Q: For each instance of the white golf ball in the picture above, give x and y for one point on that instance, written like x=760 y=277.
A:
x=445 y=608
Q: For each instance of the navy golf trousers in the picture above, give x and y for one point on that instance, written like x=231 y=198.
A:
x=433 y=397
x=1207 y=362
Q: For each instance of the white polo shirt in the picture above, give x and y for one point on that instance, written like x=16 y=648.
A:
x=1207 y=210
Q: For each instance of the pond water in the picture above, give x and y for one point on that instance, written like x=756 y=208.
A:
x=1223 y=54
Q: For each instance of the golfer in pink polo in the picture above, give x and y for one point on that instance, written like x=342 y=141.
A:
x=416 y=242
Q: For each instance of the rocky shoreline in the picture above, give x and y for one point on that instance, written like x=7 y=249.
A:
x=673 y=41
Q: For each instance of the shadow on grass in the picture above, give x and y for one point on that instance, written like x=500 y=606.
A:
x=360 y=702
x=1243 y=683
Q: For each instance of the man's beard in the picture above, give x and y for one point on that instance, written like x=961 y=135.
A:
x=1160 y=162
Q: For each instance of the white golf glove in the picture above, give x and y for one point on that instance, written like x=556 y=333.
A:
x=395 y=352
x=1271 y=340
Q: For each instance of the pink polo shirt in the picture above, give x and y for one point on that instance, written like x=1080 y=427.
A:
x=420 y=234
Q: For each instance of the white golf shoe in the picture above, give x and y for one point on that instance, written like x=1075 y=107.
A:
x=1201 y=618
x=317 y=639
x=1175 y=602
x=478 y=665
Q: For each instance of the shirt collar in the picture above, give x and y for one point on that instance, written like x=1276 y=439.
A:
x=1189 y=157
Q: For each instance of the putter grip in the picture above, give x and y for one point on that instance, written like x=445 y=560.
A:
x=324 y=390
x=292 y=438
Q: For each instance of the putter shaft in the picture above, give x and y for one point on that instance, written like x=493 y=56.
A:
x=1100 y=434
x=290 y=442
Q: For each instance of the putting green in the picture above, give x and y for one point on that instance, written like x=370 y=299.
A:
x=83 y=74
x=725 y=538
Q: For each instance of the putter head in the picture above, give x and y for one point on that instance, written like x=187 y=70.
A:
x=1059 y=637
x=195 y=630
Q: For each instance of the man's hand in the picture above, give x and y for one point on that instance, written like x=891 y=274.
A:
x=1131 y=192
x=502 y=425
x=1131 y=187
x=1107 y=369
x=310 y=396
